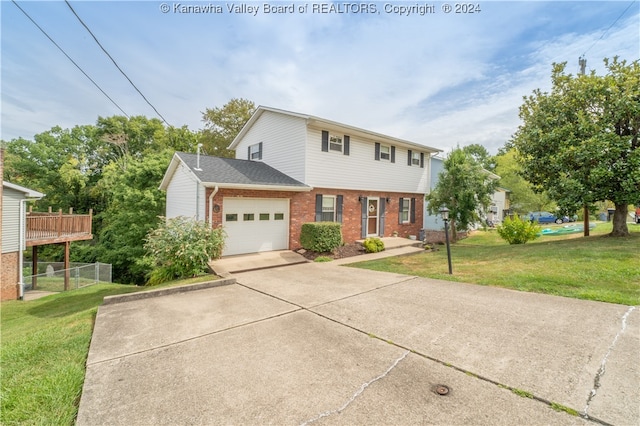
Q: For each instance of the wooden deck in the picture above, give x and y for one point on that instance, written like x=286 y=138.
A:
x=56 y=228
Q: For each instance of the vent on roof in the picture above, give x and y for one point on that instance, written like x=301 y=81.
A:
x=198 y=158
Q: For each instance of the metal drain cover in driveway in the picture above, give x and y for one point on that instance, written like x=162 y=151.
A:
x=442 y=390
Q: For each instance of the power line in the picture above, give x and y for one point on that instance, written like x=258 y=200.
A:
x=69 y=57
x=115 y=63
x=610 y=26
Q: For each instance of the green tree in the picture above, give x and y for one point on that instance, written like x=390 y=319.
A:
x=580 y=141
x=223 y=124
x=522 y=196
x=481 y=155
x=464 y=187
x=133 y=209
x=64 y=164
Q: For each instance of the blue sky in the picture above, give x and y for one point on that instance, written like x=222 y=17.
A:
x=439 y=79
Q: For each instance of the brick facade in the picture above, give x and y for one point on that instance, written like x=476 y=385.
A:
x=9 y=276
x=302 y=210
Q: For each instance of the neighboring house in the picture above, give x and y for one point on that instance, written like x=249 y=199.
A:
x=14 y=197
x=293 y=168
x=497 y=211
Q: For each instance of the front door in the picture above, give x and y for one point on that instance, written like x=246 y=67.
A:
x=372 y=216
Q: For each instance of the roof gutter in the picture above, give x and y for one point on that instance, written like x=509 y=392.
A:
x=257 y=187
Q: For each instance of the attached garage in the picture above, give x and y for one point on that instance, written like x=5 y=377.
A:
x=255 y=224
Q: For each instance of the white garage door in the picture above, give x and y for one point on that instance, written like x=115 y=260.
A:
x=255 y=224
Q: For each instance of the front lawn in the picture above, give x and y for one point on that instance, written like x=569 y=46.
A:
x=596 y=268
x=44 y=349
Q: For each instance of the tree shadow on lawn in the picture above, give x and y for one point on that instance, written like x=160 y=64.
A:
x=64 y=304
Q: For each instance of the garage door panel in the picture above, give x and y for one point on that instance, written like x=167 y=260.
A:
x=254 y=225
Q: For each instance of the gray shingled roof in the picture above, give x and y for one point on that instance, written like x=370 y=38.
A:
x=233 y=171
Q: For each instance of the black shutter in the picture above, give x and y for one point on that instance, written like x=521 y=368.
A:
x=377 y=155
x=339 y=208
x=409 y=158
x=400 y=211
x=249 y=153
x=318 y=207
x=412 y=214
x=393 y=154
x=325 y=141
x=363 y=232
x=422 y=160
x=345 y=147
x=381 y=213
x=260 y=151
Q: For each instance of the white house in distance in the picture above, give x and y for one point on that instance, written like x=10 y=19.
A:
x=498 y=210
x=293 y=168
x=12 y=236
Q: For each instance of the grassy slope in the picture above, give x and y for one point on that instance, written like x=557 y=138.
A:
x=595 y=268
x=44 y=349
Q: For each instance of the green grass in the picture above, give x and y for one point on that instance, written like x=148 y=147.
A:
x=595 y=268
x=44 y=349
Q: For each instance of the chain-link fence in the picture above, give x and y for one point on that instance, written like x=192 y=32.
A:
x=52 y=276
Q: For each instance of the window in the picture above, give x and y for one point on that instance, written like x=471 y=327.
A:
x=405 y=206
x=407 y=210
x=335 y=143
x=248 y=216
x=231 y=217
x=264 y=216
x=328 y=209
x=255 y=151
x=385 y=152
x=278 y=216
x=415 y=158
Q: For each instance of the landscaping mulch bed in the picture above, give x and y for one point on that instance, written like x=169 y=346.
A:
x=347 y=250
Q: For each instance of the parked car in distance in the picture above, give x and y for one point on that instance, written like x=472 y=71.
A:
x=546 y=217
x=638 y=214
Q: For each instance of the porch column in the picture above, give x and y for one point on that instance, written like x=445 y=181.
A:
x=67 y=274
x=34 y=267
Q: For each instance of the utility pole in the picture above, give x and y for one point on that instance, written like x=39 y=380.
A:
x=582 y=61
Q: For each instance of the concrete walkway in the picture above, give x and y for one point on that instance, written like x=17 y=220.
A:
x=321 y=343
x=224 y=267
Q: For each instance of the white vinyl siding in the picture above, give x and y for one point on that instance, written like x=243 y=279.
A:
x=359 y=170
x=183 y=192
x=283 y=138
x=11 y=220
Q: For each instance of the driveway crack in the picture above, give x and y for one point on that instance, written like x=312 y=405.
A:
x=603 y=364
x=357 y=394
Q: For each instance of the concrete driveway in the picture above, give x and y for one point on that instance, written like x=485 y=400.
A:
x=328 y=344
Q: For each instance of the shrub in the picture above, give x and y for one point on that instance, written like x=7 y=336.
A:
x=321 y=259
x=180 y=248
x=518 y=231
x=373 y=245
x=321 y=237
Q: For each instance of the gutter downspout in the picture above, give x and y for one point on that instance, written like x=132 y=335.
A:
x=213 y=194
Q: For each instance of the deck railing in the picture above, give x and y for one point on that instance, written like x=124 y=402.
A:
x=44 y=226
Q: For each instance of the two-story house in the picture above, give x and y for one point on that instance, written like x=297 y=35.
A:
x=294 y=168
